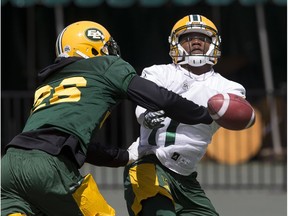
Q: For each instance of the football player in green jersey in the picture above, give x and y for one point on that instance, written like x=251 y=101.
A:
x=40 y=173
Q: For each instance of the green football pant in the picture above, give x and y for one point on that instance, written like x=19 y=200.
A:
x=147 y=178
x=36 y=183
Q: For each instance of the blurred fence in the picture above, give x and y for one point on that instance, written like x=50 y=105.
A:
x=241 y=160
x=254 y=175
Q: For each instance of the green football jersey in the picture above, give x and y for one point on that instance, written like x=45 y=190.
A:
x=78 y=98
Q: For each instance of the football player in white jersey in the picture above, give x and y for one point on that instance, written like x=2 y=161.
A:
x=163 y=181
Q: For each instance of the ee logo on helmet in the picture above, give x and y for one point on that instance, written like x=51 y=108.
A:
x=94 y=34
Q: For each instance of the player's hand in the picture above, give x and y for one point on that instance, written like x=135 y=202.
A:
x=137 y=151
x=133 y=151
x=153 y=120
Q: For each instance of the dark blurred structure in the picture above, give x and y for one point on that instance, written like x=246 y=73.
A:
x=30 y=27
x=254 y=53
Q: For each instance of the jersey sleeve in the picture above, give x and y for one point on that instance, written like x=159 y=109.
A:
x=223 y=85
x=119 y=75
x=155 y=74
x=236 y=88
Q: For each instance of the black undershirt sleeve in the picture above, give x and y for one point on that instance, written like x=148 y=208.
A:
x=102 y=155
x=152 y=97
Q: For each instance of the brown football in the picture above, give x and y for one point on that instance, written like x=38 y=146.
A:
x=231 y=111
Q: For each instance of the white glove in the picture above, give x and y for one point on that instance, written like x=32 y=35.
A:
x=133 y=151
x=136 y=151
x=153 y=120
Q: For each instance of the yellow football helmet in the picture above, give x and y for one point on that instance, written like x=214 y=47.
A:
x=200 y=24
x=86 y=39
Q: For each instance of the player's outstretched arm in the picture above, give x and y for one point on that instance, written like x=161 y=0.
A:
x=154 y=98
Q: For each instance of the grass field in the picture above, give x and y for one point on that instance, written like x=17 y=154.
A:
x=228 y=202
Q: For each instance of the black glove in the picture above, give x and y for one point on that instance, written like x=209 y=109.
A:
x=153 y=120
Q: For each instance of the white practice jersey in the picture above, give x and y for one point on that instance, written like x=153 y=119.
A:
x=178 y=146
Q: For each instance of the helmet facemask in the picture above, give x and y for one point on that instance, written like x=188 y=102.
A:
x=111 y=48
